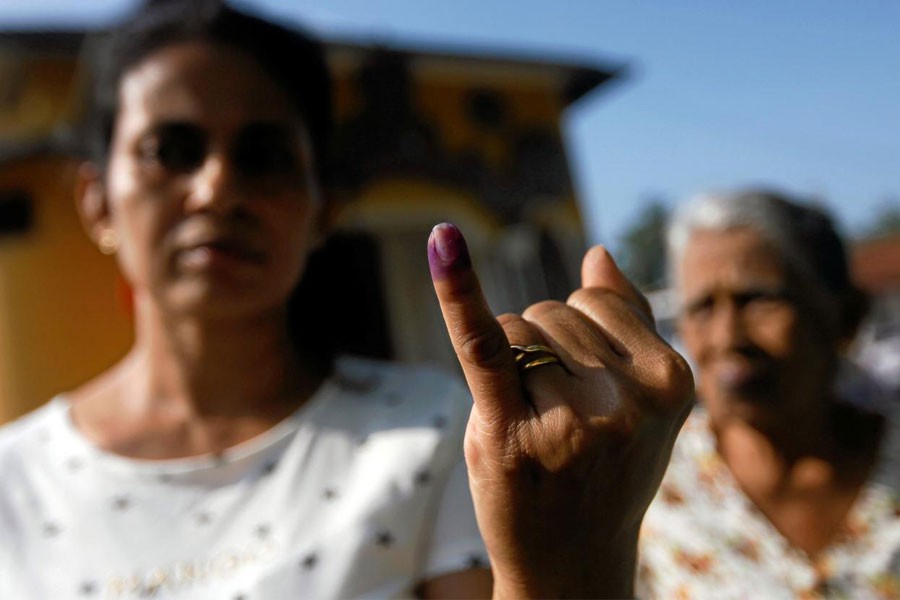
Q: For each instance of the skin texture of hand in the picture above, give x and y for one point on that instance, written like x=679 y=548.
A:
x=563 y=458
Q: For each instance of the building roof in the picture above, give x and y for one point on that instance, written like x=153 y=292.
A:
x=574 y=76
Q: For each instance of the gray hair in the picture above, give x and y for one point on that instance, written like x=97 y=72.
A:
x=804 y=236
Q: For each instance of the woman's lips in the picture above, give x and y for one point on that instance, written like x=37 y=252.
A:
x=218 y=255
x=736 y=375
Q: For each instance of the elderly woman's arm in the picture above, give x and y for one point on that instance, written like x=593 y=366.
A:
x=563 y=457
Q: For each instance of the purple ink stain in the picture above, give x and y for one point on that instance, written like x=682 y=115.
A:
x=447 y=250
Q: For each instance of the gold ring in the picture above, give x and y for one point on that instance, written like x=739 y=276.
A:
x=535 y=355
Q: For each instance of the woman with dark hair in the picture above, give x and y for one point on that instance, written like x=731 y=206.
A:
x=784 y=481
x=224 y=458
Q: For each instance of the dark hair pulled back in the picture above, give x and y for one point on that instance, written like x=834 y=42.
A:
x=293 y=59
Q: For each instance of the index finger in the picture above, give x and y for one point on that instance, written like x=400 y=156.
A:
x=478 y=339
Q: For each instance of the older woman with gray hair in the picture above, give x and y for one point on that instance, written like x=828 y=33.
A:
x=782 y=484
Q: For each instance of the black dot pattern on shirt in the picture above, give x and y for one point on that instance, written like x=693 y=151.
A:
x=439 y=421
x=330 y=494
x=87 y=588
x=422 y=478
x=384 y=538
x=309 y=561
x=203 y=518
x=121 y=503
x=263 y=531
x=51 y=529
x=476 y=561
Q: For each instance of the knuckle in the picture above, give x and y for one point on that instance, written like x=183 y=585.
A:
x=675 y=381
x=624 y=424
x=592 y=300
x=542 y=309
x=484 y=348
x=509 y=319
x=585 y=295
x=575 y=436
x=598 y=299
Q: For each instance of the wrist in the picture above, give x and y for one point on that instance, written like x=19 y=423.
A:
x=607 y=571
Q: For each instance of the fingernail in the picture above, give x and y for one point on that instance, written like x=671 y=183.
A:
x=447 y=248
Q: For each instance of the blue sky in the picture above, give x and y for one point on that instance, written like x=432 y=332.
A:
x=802 y=95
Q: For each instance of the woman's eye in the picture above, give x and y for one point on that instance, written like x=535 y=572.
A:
x=264 y=150
x=699 y=311
x=264 y=159
x=176 y=148
x=766 y=302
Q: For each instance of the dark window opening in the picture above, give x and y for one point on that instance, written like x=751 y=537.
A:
x=16 y=212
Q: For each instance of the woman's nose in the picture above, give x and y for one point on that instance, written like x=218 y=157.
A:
x=214 y=186
x=728 y=328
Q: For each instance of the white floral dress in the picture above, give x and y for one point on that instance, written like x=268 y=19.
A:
x=703 y=538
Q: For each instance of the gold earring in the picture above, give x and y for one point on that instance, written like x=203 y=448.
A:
x=108 y=242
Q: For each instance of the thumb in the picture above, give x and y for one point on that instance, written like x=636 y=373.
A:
x=478 y=339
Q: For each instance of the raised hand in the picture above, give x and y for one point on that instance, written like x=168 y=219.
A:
x=564 y=455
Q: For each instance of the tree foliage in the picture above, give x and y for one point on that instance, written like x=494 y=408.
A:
x=643 y=246
x=887 y=221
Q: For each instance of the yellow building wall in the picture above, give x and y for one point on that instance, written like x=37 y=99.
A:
x=37 y=94
x=444 y=103
x=61 y=320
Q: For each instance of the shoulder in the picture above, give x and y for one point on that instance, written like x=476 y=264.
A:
x=27 y=446
x=29 y=427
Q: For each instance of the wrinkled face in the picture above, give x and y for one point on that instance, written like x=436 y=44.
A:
x=209 y=185
x=758 y=349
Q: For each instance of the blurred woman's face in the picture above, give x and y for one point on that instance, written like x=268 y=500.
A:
x=209 y=184
x=758 y=352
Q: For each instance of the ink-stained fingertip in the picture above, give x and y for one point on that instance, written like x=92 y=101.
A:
x=447 y=250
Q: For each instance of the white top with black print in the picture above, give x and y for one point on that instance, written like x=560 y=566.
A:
x=361 y=493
